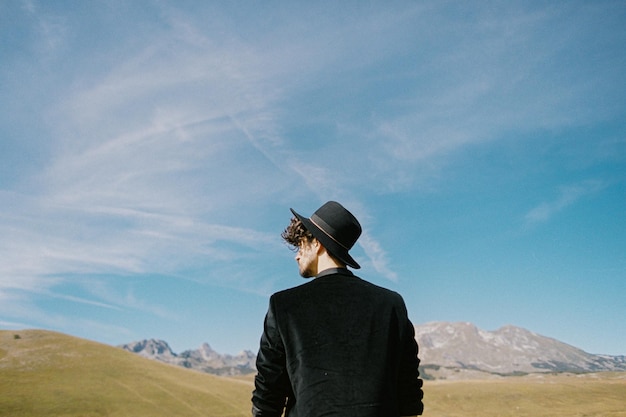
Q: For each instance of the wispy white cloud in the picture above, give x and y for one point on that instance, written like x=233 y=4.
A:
x=29 y=6
x=13 y=324
x=503 y=75
x=167 y=145
x=116 y=240
x=568 y=195
x=80 y=300
x=190 y=110
x=124 y=298
x=150 y=192
x=377 y=256
x=28 y=316
x=51 y=30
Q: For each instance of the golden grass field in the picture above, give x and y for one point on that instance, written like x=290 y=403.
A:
x=50 y=374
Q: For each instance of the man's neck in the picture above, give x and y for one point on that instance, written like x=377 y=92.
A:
x=325 y=261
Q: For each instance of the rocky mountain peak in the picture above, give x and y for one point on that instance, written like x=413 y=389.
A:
x=150 y=348
x=509 y=350
x=203 y=359
x=446 y=350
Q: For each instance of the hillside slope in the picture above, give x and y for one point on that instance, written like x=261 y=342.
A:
x=50 y=374
x=44 y=373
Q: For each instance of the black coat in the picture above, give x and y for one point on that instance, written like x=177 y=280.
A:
x=337 y=346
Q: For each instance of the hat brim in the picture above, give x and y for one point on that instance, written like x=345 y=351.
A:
x=331 y=246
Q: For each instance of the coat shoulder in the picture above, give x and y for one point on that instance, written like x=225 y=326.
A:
x=337 y=284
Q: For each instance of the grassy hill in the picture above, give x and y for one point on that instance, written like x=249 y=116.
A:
x=552 y=395
x=50 y=374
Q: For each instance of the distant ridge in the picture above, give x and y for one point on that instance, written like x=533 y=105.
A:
x=203 y=359
x=447 y=351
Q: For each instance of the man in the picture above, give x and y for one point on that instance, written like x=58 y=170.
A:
x=336 y=345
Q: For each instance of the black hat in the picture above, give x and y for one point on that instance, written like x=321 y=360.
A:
x=336 y=229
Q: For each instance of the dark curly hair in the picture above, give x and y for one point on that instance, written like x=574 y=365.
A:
x=295 y=234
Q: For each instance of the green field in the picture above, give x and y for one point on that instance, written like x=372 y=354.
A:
x=50 y=374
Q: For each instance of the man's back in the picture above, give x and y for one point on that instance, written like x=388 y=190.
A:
x=347 y=346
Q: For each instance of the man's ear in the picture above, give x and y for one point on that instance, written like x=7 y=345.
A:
x=315 y=244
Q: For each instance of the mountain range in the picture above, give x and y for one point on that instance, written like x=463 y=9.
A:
x=203 y=359
x=48 y=374
x=446 y=350
x=449 y=350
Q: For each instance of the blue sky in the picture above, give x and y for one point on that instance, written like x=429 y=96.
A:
x=150 y=152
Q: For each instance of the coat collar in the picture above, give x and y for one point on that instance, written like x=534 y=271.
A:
x=333 y=271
